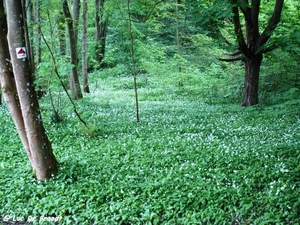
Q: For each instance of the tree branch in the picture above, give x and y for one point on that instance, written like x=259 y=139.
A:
x=235 y=53
x=238 y=29
x=60 y=80
x=240 y=58
x=254 y=16
x=245 y=9
x=149 y=14
x=275 y=19
x=266 y=50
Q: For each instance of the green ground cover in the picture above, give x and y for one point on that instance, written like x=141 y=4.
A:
x=186 y=162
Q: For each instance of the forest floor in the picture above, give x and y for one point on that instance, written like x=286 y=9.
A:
x=185 y=162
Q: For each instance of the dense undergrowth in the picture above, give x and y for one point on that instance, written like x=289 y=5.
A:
x=189 y=160
x=196 y=156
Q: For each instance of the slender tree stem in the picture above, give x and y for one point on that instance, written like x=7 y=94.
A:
x=134 y=72
x=61 y=82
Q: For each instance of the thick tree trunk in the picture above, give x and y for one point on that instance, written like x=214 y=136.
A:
x=86 y=88
x=251 y=44
x=252 y=68
x=101 y=30
x=8 y=85
x=42 y=158
x=74 y=80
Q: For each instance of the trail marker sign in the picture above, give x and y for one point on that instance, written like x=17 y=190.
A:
x=21 y=53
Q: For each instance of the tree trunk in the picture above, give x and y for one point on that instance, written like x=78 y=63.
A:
x=133 y=61
x=41 y=156
x=61 y=34
x=252 y=68
x=8 y=85
x=179 y=36
x=76 y=12
x=38 y=52
x=252 y=44
x=74 y=80
x=86 y=88
x=10 y=96
x=27 y=6
x=101 y=30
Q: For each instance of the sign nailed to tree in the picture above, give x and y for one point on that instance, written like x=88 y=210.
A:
x=21 y=53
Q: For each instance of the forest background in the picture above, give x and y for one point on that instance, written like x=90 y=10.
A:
x=152 y=132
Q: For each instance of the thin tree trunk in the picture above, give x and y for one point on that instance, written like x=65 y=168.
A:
x=179 y=35
x=84 y=48
x=42 y=158
x=27 y=36
x=37 y=37
x=134 y=71
x=61 y=33
x=101 y=30
x=36 y=48
x=74 y=80
x=76 y=13
x=252 y=68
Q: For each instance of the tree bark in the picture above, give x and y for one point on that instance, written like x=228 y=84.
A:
x=101 y=24
x=252 y=68
x=74 y=80
x=41 y=155
x=86 y=88
x=76 y=13
x=8 y=85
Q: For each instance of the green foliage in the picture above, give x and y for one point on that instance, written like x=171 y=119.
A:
x=194 y=158
x=186 y=162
